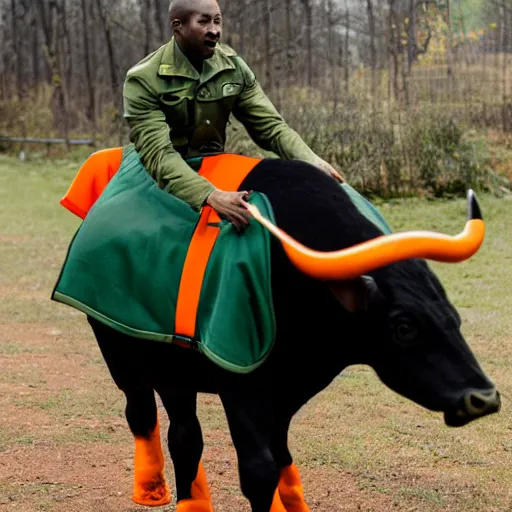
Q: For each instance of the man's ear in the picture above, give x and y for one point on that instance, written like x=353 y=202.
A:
x=355 y=295
x=176 y=25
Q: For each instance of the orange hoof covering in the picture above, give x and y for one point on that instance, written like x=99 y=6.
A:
x=277 y=504
x=193 y=505
x=157 y=496
x=291 y=490
x=200 y=489
x=149 y=486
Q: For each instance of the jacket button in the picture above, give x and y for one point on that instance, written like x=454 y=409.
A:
x=204 y=93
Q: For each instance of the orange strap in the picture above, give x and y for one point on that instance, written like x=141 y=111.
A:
x=225 y=172
x=91 y=180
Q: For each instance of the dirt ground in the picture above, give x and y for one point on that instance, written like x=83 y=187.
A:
x=67 y=448
x=81 y=463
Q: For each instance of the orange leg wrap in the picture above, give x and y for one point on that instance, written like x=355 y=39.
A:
x=201 y=500
x=291 y=490
x=150 y=487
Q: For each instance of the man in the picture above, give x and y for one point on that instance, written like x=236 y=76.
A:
x=193 y=82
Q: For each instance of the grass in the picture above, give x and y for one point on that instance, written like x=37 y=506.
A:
x=57 y=394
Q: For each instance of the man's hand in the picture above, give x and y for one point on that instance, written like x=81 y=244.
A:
x=329 y=169
x=231 y=206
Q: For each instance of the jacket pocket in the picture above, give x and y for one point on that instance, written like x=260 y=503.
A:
x=231 y=89
x=177 y=105
x=223 y=94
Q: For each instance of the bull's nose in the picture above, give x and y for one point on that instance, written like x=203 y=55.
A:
x=481 y=403
x=475 y=404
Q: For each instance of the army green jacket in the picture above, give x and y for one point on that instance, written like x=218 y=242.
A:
x=166 y=99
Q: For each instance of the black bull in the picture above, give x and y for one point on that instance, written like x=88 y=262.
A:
x=397 y=319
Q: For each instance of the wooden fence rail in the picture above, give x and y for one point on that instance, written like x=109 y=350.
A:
x=68 y=142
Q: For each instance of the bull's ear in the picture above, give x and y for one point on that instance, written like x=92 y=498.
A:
x=375 y=295
x=355 y=295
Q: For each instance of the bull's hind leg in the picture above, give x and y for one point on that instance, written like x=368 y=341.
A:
x=122 y=355
x=186 y=448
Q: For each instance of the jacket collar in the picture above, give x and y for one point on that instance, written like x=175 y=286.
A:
x=175 y=63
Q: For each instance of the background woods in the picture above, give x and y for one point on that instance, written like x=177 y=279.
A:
x=402 y=95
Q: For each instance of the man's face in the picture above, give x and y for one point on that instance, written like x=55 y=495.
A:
x=201 y=33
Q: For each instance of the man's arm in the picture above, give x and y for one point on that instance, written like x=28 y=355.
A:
x=149 y=133
x=264 y=123
x=267 y=127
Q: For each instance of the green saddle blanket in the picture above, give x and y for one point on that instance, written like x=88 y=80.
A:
x=125 y=263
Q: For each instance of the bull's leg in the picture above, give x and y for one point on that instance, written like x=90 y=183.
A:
x=149 y=486
x=186 y=447
x=290 y=486
x=122 y=355
x=248 y=405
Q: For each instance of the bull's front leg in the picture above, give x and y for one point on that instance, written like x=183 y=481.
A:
x=247 y=401
x=149 y=485
x=185 y=442
x=290 y=486
x=291 y=490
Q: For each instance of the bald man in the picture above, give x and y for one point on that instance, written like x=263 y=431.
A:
x=191 y=83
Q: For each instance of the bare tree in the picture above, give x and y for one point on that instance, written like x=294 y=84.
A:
x=16 y=50
x=162 y=20
x=88 y=55
x=373 y=49
x=83 y=48
x=145 y=10
x=112 y=67
x=308 y=16
x=267 y=8
x=49 y=16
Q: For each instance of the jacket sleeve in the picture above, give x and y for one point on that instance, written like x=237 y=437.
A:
x=149 y=133
x=264 y=123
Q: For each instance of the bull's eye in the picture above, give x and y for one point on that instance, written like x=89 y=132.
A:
x=405 y=331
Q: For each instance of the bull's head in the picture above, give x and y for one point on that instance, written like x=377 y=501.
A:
x=418 y=349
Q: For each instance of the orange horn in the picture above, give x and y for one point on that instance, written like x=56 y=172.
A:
x=376 y=253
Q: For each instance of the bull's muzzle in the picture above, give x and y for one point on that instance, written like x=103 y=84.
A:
x=475 y=404
x=384 y=250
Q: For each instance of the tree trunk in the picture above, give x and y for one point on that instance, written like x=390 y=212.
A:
x=36 y=77
x=411 y=33
x=268 y=46
x=65 y=57
x=507 y=101
x=162 y=20
x=49 y=19
x=116 y=95
x=373 y=50
x=91 y=107
x=289 y=41
x=308 y=15
x=393 y=38
x=346 y=60
x=16 y=51
x=333 y=54
x=449 y=39
x=145 y=10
